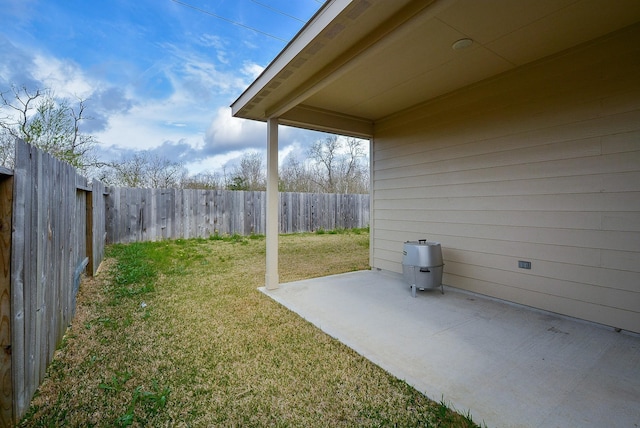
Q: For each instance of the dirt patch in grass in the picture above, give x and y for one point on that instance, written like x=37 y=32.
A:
x=175 y=334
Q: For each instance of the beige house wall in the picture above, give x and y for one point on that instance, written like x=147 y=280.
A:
x=541 y=165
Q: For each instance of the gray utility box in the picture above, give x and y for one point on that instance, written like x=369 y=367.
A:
x=422 y=265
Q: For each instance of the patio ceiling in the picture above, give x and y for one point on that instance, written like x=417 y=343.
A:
x=358 y=62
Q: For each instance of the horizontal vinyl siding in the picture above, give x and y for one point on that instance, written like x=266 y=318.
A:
x=541 y=164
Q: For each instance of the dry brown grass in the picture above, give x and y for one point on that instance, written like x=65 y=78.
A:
x=191 y=342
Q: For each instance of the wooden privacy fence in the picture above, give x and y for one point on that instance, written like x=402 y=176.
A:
x=153 y=214
x=51 y=229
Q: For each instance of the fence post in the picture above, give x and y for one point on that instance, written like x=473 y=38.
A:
x=6 y=383
x=89 y=231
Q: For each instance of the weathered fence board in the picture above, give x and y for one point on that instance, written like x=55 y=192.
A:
x=6 y=210
x=154 y=214
x=21 y=220
x=98 y=231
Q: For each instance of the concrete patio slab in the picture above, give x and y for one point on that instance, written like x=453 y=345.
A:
x=508 y=365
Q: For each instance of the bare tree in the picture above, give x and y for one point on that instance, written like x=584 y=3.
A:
x=338 y=167
x=144 y=169
x=17 y=108
x=295 y=176
x=204 y=180
x=353 y=174
x=17 y=105
x=163 y=173
x=324 y=153
x=51 y=124
x=7 y=151
x=249 y=174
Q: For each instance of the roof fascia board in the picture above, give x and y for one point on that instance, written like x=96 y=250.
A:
x=327 y=121
x=325 y=15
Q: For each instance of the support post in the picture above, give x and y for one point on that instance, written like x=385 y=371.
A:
x=272 y=280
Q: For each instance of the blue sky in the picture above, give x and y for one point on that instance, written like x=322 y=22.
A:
x=158 y=75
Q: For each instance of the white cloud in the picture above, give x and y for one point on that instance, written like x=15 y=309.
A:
x=146 y=126
x=65 y=77
x=285 y=151
x=227 y=132
x=200 y=76
x=213 y=41
x=252 y=70
x=218 y=43
x=215 y=163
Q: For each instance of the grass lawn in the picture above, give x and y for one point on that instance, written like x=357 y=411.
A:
x=175 y=333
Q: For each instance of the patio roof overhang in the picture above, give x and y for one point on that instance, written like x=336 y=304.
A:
x=358 y=62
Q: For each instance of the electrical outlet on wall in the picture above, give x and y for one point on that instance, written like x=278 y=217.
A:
x=524 y=264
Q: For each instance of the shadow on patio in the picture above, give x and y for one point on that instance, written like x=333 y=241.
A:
x=509 y=365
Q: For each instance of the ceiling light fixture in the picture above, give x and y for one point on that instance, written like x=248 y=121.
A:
x=461 y=44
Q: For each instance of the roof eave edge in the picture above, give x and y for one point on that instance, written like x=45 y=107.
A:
x=326 y=14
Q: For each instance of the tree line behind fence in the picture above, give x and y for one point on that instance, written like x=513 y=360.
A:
x=54 y=225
